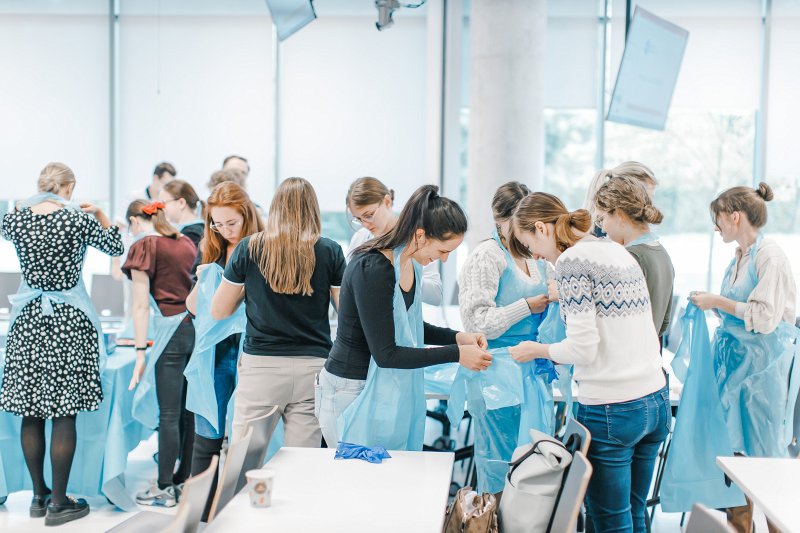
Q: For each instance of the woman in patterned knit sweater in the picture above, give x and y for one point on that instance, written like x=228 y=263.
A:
x=623 y=398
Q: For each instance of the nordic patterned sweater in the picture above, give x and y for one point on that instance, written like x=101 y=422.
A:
x=610 y=336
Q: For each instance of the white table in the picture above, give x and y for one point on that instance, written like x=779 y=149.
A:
x=772 y=484
x=315 y=492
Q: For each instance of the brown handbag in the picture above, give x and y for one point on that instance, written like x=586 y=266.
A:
x=471 y=513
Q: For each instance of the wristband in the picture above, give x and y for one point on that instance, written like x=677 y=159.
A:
x=141 y=349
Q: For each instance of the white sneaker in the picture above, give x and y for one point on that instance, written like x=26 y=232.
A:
x=155 y=496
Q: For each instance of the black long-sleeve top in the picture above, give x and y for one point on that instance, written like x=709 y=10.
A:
x=366 y=324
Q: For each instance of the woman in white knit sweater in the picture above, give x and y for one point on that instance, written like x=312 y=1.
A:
x=623 y=399
x=504 y=296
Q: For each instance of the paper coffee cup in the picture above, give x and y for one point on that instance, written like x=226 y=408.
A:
x=259 y=486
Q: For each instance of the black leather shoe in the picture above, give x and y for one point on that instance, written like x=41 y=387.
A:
x=66 y=512
x=39 y=505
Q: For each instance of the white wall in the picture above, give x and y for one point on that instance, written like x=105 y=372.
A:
x=194 y=89
x=53 y=100
x=354 y=105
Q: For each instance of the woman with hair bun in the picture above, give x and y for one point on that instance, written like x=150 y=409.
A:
x=755 y=345
x=629 y=169
x=623 y=397
x=624 y=211
x=55 y=348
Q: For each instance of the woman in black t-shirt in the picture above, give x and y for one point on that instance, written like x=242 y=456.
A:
x=287 y=276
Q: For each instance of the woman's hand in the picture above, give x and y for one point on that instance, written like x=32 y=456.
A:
x=537 y=304
x=704 y=300
x=474 y=358
x=92 y=209
x=552 y=290
x=471 y=339
x=138 y=370
x=528 y=351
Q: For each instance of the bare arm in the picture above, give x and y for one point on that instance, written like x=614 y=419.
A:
x=227 y=299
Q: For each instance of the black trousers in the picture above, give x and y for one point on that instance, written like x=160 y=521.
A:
x=175 y=423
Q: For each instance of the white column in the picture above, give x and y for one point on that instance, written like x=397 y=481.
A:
x=506 y=116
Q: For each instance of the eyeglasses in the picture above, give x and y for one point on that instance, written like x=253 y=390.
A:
x=598 y=221
x=220 y=226
x=367 y=217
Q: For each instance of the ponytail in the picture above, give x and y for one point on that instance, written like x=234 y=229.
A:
x=569 y=226
x=154 y=212
x=439 y=217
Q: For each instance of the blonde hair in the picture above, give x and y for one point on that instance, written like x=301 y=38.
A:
x=227 y=174
x=630 y=169
x=284 y=251
x=54 y=177
x=628 y=195
x=549 y=209
x=751 y=202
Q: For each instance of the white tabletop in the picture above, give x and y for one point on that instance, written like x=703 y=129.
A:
x=315 y=492
x=773 y=484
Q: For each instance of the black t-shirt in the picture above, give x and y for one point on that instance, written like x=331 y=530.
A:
x=287 y=324
x=366 y=324
x=194 y=232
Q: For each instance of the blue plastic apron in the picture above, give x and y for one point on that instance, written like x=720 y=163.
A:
x=390 y=411
x=76 y=296
x=551 y=331
x=145 y=401
x=201 y=395
x=691 y=474
x=509 y=398
x=757 y=374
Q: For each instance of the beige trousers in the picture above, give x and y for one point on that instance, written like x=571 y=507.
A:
x=287 y=382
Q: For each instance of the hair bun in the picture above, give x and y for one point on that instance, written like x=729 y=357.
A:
x=764 y=191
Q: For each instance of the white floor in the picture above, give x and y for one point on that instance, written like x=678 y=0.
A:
x=141 y=468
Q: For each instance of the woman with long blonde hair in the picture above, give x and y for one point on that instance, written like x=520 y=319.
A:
x=287 y=275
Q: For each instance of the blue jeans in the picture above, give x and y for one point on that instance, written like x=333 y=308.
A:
x=226 y=354
x=625 y=441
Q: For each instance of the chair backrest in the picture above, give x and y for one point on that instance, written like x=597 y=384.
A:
x=9 y=284
x=231 y=472
x=702 y=520
x=576 y=437
x=568 y=505
x=263 y=427
x=108 y=296
x=195 y=495
x=179 y=523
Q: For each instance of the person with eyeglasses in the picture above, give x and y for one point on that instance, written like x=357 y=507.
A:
x=231 y=216
x=369 y=202
x=183 y=208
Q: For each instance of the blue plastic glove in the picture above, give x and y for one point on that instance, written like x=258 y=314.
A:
x=546 y=368
x=345 y=450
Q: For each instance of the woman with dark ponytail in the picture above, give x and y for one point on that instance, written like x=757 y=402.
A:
x=623 y=398
x=381 y=335
x=159 y=263
x=755 y=354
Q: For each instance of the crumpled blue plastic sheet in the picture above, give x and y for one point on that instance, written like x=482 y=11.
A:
x=375 y=454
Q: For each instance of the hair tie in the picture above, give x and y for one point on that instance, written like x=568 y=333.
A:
x=152 y=208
